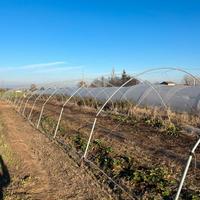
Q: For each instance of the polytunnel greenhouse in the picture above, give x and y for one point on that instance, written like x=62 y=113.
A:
x=178 y=98
x=127 y=136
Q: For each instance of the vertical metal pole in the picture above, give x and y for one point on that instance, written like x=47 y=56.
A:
x=61 y=112
x=27 y=97
x=186 y=169
x=33 y=106
x=18 y=101
x=12 y=97
x=89 y=140
x=20 y=104
x=42 y=110
x=9 y=97
x=27 y=103
x=59 y=119
x=23 y=98
x=15 y=99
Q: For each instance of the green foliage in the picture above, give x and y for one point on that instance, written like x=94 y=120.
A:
x=155 y=122
x=171 y=129
x=48 y=125
x=195 y=197
x=153 y=182
x=155 y=179
x=80 y=142
x=124 y=119
x=102 y=155
x=168 y=127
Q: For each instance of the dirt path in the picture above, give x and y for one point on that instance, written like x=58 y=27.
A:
x=47 y=172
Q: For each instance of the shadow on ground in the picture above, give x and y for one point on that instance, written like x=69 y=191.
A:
x=4 y=177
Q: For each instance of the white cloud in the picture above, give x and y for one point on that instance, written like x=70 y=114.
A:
x=32 y=66
x=52 y=71
x=57 y=69
x=41 y=65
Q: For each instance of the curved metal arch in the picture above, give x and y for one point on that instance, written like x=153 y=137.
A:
x=95 y=120
x=18 y=102
x=196 y=79
x=19 y=99
x=65 y=96
x=103 y=91
x=28 y=101
x=151 y=86
x=98 y=93
x=124 y=84
x=144 y=95
x=23 y=99
x=173 y=91
x=88 y=91
x=62 y=110
x=4 y=95
x=166 y=68
x=62 y=95
x=80 y=98
x=186 y=169
x=16 y=98
x=75 y=98
x=42 y=109
x=34 y=103
x=7 y=95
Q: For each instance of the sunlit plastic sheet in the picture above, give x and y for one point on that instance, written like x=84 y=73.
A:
x=178 y=98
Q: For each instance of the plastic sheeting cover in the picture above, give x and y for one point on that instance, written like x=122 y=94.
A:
x=178 y=98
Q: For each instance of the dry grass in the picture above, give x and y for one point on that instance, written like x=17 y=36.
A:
x=167 y=116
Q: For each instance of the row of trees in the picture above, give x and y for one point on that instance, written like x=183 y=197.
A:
x=111 y=81
x=117 y=81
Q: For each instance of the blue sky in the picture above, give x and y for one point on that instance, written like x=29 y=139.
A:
x=49 y=40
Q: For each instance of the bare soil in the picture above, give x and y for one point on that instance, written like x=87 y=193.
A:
x=146 y=144
x=159 y=146
x=41 y=169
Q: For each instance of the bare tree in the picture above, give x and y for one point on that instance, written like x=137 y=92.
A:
x=188 y=80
